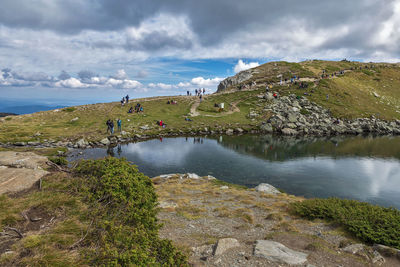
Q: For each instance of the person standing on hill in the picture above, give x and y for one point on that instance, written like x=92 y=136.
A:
x=108 y=123
x=127 y=98
x=119 y=125
x=112 y=127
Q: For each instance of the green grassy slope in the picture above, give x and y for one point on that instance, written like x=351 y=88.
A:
x=350 y=96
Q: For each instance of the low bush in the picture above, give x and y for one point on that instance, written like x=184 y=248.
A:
x=62 y=161
x=370 y=223
x=123 y=205
x=70 y=109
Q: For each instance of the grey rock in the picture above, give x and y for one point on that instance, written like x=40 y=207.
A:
x=354 y=248
x=75 y=119
x=288 y=131
x=105 y=141
x=267 y=188
x=229 y=132
x=267 y=128
x=82 y=143
x=224 y=244
x=377 y=258
x=292 y=117
x=277 y=252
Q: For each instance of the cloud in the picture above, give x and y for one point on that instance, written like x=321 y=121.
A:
x=202 y=82
x=240 y=66
x=71 y=83
x=64 y=75
x=120 y=75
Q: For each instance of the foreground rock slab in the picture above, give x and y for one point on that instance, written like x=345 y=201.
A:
x=277 y=252
x=20 y=170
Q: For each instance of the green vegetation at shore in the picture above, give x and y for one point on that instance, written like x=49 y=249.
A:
x=364 y=90
x=370 y=223
x=104 y=214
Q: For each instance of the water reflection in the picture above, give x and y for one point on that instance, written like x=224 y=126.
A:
x=367 y=169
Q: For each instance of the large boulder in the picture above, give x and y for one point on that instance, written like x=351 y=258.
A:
x=277 y=252
x=224 y=244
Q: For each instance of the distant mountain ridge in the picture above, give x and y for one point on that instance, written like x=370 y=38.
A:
x=27 y=109
x=3 y=114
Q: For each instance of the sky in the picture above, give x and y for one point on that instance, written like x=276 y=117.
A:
x=69 y=52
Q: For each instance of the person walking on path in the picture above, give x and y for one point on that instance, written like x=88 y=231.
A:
x=119 y=125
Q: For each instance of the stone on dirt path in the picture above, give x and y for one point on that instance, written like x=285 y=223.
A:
x=224 y=244
x=277 y=252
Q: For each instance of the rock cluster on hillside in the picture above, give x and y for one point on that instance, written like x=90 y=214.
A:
x=235 y=80
x=293 y=116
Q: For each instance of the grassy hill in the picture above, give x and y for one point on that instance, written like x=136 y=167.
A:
x=366 y=89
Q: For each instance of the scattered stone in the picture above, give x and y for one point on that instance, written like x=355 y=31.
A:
x=377 y=258
x=229 y=132
x=277 y=252
x=288 y=131
x=105 y=141
x=192 y=176
x=145 y=127
x=74 y=119
x=167 y=205
x=354 y=248
x=376 y=95
x=387 y=251
x=224 y=244
x=267 y=188
x=82 y=143
x=224 y=187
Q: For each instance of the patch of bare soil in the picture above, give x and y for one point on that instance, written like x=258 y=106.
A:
x=197 y=212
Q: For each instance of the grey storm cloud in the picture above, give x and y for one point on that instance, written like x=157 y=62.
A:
x=159 y=40
x=211 y=20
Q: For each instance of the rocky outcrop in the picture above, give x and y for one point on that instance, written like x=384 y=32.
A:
x=235 y=80
x=299 y=116
x=20 y=170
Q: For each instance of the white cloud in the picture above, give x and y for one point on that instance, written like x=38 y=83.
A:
x=200 y=81
x=121 y=75
x=71 y=83
x=240 y=66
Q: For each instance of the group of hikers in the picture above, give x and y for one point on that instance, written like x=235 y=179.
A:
x=172 y=102
x=110 y=126
x=138 y=108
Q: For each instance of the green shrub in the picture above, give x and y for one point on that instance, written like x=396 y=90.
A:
x=8 y=118
x=62 y=161
x=124 y=207
x=70 y=109
x=370 y=223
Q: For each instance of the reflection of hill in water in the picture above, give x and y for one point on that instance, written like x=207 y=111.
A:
x=279 y=148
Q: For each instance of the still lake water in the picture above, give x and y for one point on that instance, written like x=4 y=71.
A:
x=362 y=168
